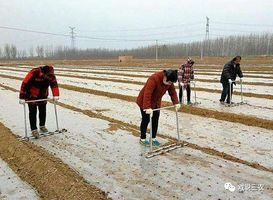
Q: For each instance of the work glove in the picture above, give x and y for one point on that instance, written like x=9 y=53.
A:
x=177 y=107
x=149 y=111
x=230 y=81
x=56 y=98
x=22 y=101
x=241 y=79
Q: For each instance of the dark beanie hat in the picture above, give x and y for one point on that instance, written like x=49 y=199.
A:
x=171 y=75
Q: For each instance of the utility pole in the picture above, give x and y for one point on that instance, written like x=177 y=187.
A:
x=202 y=49
x=207 y=29
x=72 y=37
x=206 y=39
x=156 y=50
x=207 y=36
x=268 y=44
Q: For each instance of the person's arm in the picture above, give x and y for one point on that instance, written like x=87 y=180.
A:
x=54 y=86
x=148 y=92
x=192 y=73
x=173 y=94
x=24 y=85
x=239 y=72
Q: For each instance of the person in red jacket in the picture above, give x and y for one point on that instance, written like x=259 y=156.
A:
x=34 y=87
x=150 y=97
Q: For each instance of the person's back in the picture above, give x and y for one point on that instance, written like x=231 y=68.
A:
x=228 y=77
x=35 y=87
x=231 y=70
x=36 y=83
x=155 y=81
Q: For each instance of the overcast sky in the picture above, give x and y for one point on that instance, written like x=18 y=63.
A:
x=116 y=22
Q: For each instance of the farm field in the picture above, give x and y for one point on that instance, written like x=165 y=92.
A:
x=101 y=147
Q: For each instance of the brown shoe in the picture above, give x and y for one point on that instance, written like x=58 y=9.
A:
x=35 y=133
x=43 y=129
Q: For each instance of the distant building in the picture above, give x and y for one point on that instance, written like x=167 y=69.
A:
x=125 y=58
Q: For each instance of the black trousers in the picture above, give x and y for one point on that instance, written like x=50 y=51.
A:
x=145 y=121
x=225 y=93
x=188 y=93
x=33 y=113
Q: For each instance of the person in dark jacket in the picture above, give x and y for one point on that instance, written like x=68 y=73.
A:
x=150 y=97
x=229 y=74
x=34 y=87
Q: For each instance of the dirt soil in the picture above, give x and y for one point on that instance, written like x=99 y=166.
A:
x=133 y=129
x=215 y=62
x=247 y=94
x=51 y=178
x=139 y=76
x=231 y=117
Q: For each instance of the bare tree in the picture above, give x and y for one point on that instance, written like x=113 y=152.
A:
x=13 y=51
x=7 y=52
x=40 y=51
x=253 y=44
x=49 y=52
x=22 y=54
x=31 y=52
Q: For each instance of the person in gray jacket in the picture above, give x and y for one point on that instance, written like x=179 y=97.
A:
x=229 y=74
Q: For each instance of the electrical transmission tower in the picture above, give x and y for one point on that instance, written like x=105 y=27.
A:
x=207 y=30
x=72 y=37
x=206 y=41
x=207 y=36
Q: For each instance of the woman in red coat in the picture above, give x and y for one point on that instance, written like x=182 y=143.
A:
x=150 y=97
x=34 y=87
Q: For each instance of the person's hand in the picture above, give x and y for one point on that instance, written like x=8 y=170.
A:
x=177 y=107
x=22 y=101
x=241 y=79
x=56 y=98
x=230 y=81
x=149 y=111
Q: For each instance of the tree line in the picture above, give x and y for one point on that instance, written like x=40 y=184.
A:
x=253 y=44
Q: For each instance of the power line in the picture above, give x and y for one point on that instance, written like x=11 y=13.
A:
x=233 y=30
x=242 y=24
x=116 y=39
x=33 y=31
x=155 y=34
x=66 y=35
x=29 y=40
x=147 y=40
x=181 y=37
x=144 y=29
